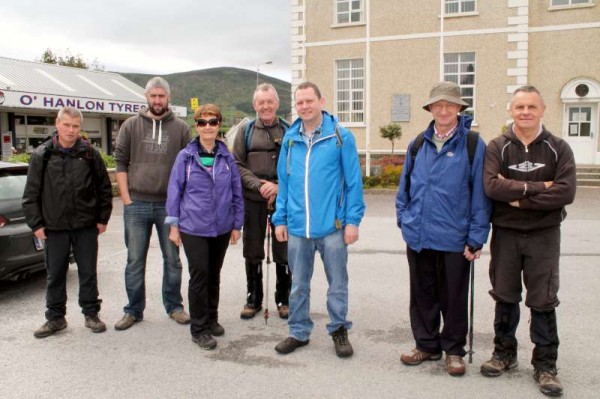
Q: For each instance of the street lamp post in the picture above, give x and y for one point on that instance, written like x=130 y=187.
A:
x=258 y=69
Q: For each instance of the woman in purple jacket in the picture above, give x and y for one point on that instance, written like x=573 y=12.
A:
x=205 y=209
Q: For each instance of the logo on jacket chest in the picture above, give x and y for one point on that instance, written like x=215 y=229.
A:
x=527 y=166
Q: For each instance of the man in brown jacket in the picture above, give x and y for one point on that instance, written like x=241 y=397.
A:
x=256 y=149
x=530 y=175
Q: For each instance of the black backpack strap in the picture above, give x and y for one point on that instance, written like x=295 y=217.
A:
x=472 y=139
x=414 y=149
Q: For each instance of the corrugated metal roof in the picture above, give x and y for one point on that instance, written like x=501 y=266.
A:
x=36 y=77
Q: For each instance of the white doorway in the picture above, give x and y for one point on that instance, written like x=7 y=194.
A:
x=581 y=98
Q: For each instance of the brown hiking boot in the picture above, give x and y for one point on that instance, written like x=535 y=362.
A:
x=416 y=357
x=126 y=321
x=95 y=324
x=284 y=311
x=497 y=365
x=548 y=382
x=249 y=312
x=455 y=365
x=289 y=345
x=180 y=317
x=50 y=327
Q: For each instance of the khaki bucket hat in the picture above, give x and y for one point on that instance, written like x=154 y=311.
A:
x=448 y=91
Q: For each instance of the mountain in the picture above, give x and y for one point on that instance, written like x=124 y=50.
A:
x=230 y=88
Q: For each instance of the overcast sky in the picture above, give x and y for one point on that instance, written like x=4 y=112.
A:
x=152 y=36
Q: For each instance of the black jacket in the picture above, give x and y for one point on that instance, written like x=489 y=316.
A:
x=525 y=169
x=69 y=189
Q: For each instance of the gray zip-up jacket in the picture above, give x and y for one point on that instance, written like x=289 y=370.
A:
x=146 y=149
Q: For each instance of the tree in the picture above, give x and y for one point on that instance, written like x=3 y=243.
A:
x=75 y=61
x=391 y=132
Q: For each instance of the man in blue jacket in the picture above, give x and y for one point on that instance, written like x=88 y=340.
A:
x=319 y=207
x=444 y=215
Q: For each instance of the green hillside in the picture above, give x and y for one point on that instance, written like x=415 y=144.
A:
x=230 y=88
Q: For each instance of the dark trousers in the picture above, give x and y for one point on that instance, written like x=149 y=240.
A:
x=439 y=286
x=85 y=250
x=255 y=231
x=205 y=258
x=534 y=255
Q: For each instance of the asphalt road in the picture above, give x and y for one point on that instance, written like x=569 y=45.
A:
x=156 y=358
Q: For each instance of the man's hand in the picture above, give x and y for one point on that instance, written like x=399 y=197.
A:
x=350 y=234
x=40 y=233
x=101 y=228
x=268 y=189
x=174 y=236
x=281 y=233
x=548 y=184
x=470 y=256
x=235 y=236
x=514 y=204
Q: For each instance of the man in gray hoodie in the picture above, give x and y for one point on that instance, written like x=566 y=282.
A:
x=146 y=148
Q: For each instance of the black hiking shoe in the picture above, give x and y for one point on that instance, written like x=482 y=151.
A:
x=206 y=341
x=343 y=348
x=289 y=345
x=216 y=330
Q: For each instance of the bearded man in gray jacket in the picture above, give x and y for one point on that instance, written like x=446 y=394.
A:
x=146 y=148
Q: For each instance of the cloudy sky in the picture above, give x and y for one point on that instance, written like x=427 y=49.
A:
x=152 y=36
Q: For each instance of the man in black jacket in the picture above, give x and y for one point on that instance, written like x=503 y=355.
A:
x=530 y=175
x=67 y=203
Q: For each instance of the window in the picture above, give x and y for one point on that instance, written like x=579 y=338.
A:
x=349 y=92
x=460 y=6
x=580 y=121
x=460 y=68
x=349 y=11
x=555 y=3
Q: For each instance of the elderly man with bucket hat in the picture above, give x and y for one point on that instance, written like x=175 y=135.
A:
x=444 y=216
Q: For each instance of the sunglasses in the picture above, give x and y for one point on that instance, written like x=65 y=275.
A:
x=204 y=122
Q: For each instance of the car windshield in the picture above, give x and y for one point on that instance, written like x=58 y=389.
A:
x=12 y=184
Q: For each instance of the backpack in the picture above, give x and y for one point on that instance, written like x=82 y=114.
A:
x=472 y=138
x=249 y=129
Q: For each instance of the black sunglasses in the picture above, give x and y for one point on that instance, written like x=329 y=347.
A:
x=204 y=122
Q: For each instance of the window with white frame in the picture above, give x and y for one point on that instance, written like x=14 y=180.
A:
x=349 y=90
x=460 y=6
x=555 y=3
x=460 y=68
x=348 y=11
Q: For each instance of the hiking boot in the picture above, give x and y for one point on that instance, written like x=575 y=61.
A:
x=284 y=311
x=455 y=365
x=343 y=348
x=249 y=312
x=289 y=345
x=549 y=383
x=417 y=356
x=180 y=317
x=206 y=342
x=216 y=330
x=50 y=327
x=497 y=365
x=126 y=321
x=95 y=324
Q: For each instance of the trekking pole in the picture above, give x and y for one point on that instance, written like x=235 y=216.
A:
x=268 y=231
x=472 y=311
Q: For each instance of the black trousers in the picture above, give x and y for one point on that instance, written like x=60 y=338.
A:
x=255 y=231
x=531 y=258
x=205 y=257
x=439 y=287
x=85 y=250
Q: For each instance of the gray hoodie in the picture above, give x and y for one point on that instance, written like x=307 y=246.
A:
x=146 y=150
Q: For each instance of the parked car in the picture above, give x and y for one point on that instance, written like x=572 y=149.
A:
x=19 y=255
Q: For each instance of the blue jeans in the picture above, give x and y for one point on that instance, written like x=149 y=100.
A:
x=139 y=217
x=301 y=257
